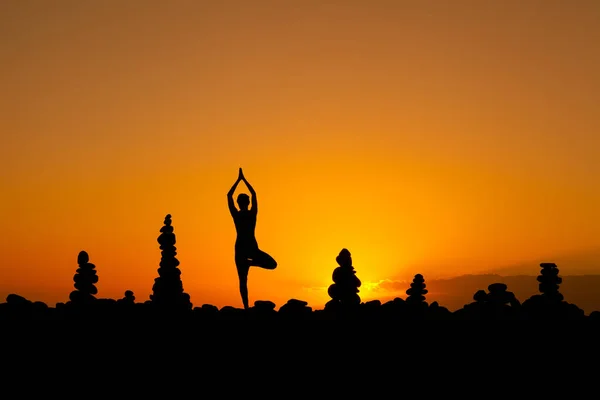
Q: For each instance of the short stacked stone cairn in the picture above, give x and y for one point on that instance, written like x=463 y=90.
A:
x=344 y=291
x=550 y=283
x=85 y=280
x=128 y=300
x=416 y=293
x=499 y=297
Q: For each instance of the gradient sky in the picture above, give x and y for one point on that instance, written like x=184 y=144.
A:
x=435 y=137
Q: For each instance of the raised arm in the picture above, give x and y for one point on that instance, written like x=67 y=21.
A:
x=230 y=202
x=253 y=193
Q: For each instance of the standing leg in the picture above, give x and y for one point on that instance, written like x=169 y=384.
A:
x=263 y=260
x=242 y=269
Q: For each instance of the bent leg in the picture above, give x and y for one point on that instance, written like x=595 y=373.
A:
x=242 y=269
x=263 y=260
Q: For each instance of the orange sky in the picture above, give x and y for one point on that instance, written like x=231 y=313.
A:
x=437 y=137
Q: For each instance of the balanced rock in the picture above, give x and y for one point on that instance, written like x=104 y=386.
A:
x=344 y=290
x=499 y=296
x=416 y=293
x=168 y=288
x=129 y=298
x=85 y=280
x=549 y=282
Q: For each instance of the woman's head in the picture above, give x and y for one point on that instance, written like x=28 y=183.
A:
x=243 y=201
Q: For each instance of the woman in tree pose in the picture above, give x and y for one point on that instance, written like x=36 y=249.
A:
x=247 y=253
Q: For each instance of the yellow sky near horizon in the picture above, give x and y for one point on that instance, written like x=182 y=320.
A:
x=442 y=138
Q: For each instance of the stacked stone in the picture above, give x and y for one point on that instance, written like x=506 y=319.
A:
x=549 y=282
x=168 y=288
x=344 y=290
x=129 y=298
x=85 y=280
x=499 y=296
x=416 y=293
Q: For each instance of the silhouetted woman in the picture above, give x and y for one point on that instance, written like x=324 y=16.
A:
x=247 y=253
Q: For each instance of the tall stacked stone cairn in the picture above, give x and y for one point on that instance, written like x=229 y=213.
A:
x=85 y=280
x=344 y=291
x=168 y=289
x=549 y=303
x=549 y=283
x=416 y=293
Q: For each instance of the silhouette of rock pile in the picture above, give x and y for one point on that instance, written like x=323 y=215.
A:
x=549 y=304
x=129 y=298
x=295 y=307
x=416 y=293
x=85 y=280
x=168 y=287
x=344 y=290
x=499 y=296
x=549 y=282
x=499 y=303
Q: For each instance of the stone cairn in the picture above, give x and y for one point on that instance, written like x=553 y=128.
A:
x=416 y=293
x=549 y=282
x=344 y=290
x=168 y=288
x=129 y=298
x=499 y=296
x=85 y=280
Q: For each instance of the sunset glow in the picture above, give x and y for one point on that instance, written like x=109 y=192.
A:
x=424 y=137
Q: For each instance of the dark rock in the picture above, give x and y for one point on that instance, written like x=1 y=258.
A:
x=480 y=296
x=549 y=282
x=15 y=299
x=295 y=307
x=344 y=290
x=85 y=280
x=416 y=293
x=209 y=308
x=129 y=298
x=168 y=288
x=264 y=305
